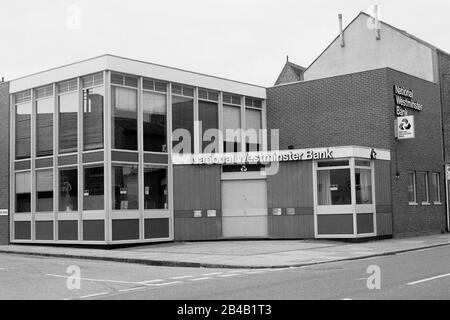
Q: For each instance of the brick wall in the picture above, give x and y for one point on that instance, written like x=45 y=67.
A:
x=4 y=161
x=423 y=154
x=444 y=71
x=358 y=109
x=337 y=111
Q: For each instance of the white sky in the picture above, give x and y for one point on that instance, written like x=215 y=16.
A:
x=245 y=40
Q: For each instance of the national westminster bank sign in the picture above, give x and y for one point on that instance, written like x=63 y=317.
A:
x=254 y=157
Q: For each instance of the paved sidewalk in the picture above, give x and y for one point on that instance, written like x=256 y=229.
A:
x=240 y=254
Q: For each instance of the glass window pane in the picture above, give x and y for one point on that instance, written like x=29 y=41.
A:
x=436 y=187
x=412 y=187
x=23 y=192
x=423 y=187
x=362 y=163
x=23 y=131
x=155 y=117
x=93 y=118
x=325 y=164
x=68 y=119
x=124 y=118
x=183 y=118
x=68 y=190
x=208 y=115
x=253 y=125
x=363 y=186
x=334 y=187
x=232 y=126
x=44 y=127
x=44 y=188
x=125 y=187
x=155 y=188
x=93 y=188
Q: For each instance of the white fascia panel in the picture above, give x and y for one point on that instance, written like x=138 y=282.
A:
x=59 y=74
x=169 y=74
x=138 y=68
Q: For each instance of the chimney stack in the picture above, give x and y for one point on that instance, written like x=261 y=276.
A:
x=341 y=30
x=377 y=23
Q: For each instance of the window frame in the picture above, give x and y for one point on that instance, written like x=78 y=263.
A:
x=414 y=185
x=437 y=201
x=426 y=187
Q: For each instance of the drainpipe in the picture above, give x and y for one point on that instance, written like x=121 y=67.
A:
x=442 y=81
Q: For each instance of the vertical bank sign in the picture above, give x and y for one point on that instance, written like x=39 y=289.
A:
x=404 y=101
x=404 y=104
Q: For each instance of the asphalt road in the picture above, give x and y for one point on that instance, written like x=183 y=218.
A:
x=415 y=275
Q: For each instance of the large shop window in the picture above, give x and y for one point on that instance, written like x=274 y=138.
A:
x=125 y=188
x=124 y=118
x=23 y=131
x=208 y=115
x=93 y=192
x=334 y=187
x=155 y=187
x=23 y=192
x=183 y=118
x=232 y=129
x=68 y=120
x=68 y=190
x=363 y=178
x=44 y=127
x=155 y=118
x=253 y=125
x=44 y=191
x=412 y=194
x=93 y=118
x=436 y=185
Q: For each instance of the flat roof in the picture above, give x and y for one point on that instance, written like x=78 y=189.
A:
x=138 y=68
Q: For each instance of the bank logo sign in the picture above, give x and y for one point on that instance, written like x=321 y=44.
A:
x=405 y=128
x=404 y=101
x=254 y=157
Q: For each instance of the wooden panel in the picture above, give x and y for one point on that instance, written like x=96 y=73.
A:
x=22 y=165
x=292 y=186
x=194 y=229
x=93 y=157
x=156 y=158
x=196 y=187
x=291 y=227
x=384 y=224
x=383 y=182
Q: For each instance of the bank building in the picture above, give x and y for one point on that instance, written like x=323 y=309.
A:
x=90 y=148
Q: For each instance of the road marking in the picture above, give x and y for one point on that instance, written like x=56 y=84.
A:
x=93 y=280
x=94 y=295
x=428 y=279
x=255 y=272
x=277 y=270
x=346 y=299
x=132 y=289
x=2 y=269
x=212 y=274
x=201 y=279
x=361 y=279
x=151 y=281
x=228 y=275
x=167 y=283
x=181 y=277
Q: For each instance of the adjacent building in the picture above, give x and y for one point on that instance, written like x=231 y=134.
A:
x=94 y=148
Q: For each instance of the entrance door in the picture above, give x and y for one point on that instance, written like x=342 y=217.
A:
x=244 y=207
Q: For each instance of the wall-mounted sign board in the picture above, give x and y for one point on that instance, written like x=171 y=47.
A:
x=405 y=128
